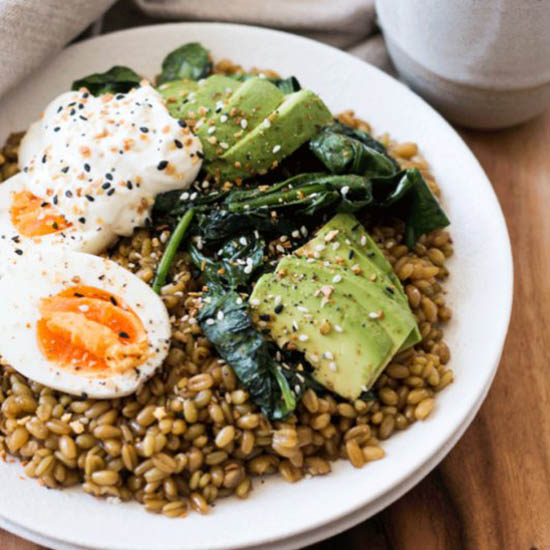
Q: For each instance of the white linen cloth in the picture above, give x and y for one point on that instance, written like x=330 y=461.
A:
x=31 y=31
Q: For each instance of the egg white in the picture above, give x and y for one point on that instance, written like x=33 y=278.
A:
x=46 y=272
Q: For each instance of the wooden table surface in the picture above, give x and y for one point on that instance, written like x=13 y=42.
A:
x=493 y=489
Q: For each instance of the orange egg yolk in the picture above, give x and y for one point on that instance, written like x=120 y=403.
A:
x=86 y=328
x=34 y=217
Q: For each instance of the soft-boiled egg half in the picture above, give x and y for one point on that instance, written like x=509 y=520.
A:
x=80 y=323
x=91 y=168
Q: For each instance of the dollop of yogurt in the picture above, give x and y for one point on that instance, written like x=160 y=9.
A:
x=102 y=160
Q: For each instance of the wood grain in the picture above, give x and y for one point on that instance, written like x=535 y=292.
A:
x=493 y=490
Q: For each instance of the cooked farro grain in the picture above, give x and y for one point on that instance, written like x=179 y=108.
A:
x=191 y=436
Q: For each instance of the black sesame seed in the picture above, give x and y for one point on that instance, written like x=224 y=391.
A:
x=15 y=239
x=351 y=254
x=90 y=198
x=144 y=129
x=110 y=192
x=200 y=155
x=68 y=193
x=65 y=169
x=19 y=252
x=123 y=334
x=54 y=200
x=119 y=96
x=113 y=300
x=56 y=129
x=81 y=117
x=55 y=226
x=60 y=108
x=178 y=143
x=390 y=290
x=265 y=317
x=72 y=112
x=162 y=165
x=44 y=159
x=85 y=94
x=109 y=176
x=82 y=219
x=278 y=308
x=44 y=204
x=78 y=295
x=87 y=167
x=71 y=104
x=81 y=105
x=129 y=185
x=182 y=123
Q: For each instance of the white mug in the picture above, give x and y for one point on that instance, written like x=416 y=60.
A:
x=482 y=63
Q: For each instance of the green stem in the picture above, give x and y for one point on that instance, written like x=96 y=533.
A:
x=171 y=249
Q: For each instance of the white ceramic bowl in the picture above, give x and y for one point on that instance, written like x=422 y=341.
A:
x=279 y=515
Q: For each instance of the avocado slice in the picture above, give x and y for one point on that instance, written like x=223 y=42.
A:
x=296 y=120
x=343 y=242
x=233 y=118
x=348 y=357
x=367 y=325
x=185 y=97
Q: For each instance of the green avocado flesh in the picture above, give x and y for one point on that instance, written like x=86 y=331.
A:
x=346 y=316
x=185 y=97
x=245 y=128
x=344 y=242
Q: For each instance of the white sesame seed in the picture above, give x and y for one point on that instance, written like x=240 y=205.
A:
x=313 y=358
x=193 y=196
x=280 y=249
x=239 y=300
x=223 y=118
x=303 y=337
x=244 y=123
x=267 y=123
x=328 y=355
x=220 y=315
x=83 y=307
x=283 y=238
x=302 y=309
x=210 y=321
x=373 y=315
x=295 y=234
x=336 y=278
x=320 y=247
x=338 y=328
x=224 y=145
x=332 y=366
x=255 y=302
x=276 y=149
x=256 y=234
x=184 y=196
x=243 y=241
x=211 y=130
x=303 y=231
x=248 y=269
x=344 y=190
x=363 y=240
x=277 y=300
